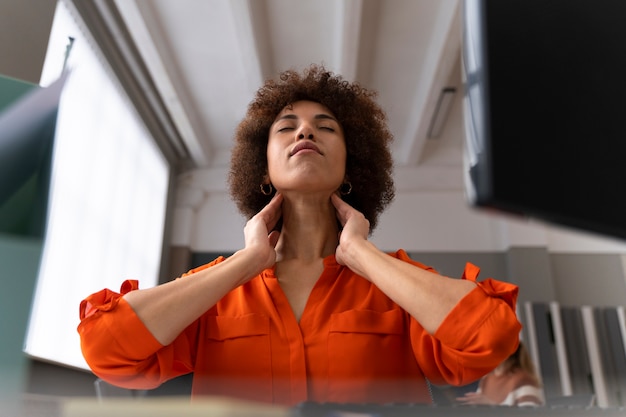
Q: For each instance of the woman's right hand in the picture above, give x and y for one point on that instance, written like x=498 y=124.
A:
x=190 y=297
x=258 y=234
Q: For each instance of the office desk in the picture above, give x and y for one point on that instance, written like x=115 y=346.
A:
x=42 y=406
x=48 y=406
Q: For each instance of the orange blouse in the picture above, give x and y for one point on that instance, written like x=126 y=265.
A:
x=352 y=344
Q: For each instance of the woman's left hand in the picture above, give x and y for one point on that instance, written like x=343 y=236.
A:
x=355 y=230
x=418 y=291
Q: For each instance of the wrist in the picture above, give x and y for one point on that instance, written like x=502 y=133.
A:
x=358 y=254
x=252 y=263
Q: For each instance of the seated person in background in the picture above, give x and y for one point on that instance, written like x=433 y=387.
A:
x=514 y=382
x=309 y=309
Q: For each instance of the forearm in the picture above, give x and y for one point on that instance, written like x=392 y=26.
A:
x=426 y=296
x=166 y=310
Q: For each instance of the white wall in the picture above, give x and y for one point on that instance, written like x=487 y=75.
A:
x=207 y=221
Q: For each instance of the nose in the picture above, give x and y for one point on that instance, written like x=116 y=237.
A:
x=305 y=131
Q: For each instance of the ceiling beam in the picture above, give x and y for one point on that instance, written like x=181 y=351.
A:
x=441 y=57
x=252 y=37
x=349 y=17
x=166 y=79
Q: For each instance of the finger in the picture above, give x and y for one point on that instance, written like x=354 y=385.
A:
x=275 y=202
x=272 y=211
x=341 y=207
x=273 y=238
x=338 y=202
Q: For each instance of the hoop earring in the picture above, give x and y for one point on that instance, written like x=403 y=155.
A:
x=345 y=188
x=267 y=189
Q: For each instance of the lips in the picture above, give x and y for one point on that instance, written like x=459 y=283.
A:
x=304 y=145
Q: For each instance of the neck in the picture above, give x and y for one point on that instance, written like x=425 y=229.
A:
x=309 y=229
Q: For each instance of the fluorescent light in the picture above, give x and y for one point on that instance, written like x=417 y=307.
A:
x=438 y=121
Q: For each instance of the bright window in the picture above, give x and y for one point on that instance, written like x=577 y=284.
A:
x=108 y=196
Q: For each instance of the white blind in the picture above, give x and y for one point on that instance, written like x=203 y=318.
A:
x=108 y=196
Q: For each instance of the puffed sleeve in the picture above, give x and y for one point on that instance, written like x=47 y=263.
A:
x=479 y=333
x=121 y=350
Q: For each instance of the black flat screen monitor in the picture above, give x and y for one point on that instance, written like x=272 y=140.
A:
x=545 y=110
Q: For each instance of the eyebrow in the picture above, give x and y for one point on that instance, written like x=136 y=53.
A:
x=320 y=116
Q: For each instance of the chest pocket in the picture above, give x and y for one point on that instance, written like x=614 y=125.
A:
x=223 y=328
x=364 y=342
x=236 y=347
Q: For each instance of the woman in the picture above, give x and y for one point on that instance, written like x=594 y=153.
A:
x=309 y=308
x=514 y=383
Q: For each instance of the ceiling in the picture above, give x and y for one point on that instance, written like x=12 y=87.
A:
x=205 y=60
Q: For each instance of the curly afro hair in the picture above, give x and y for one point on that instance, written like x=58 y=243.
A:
x=369 y=165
